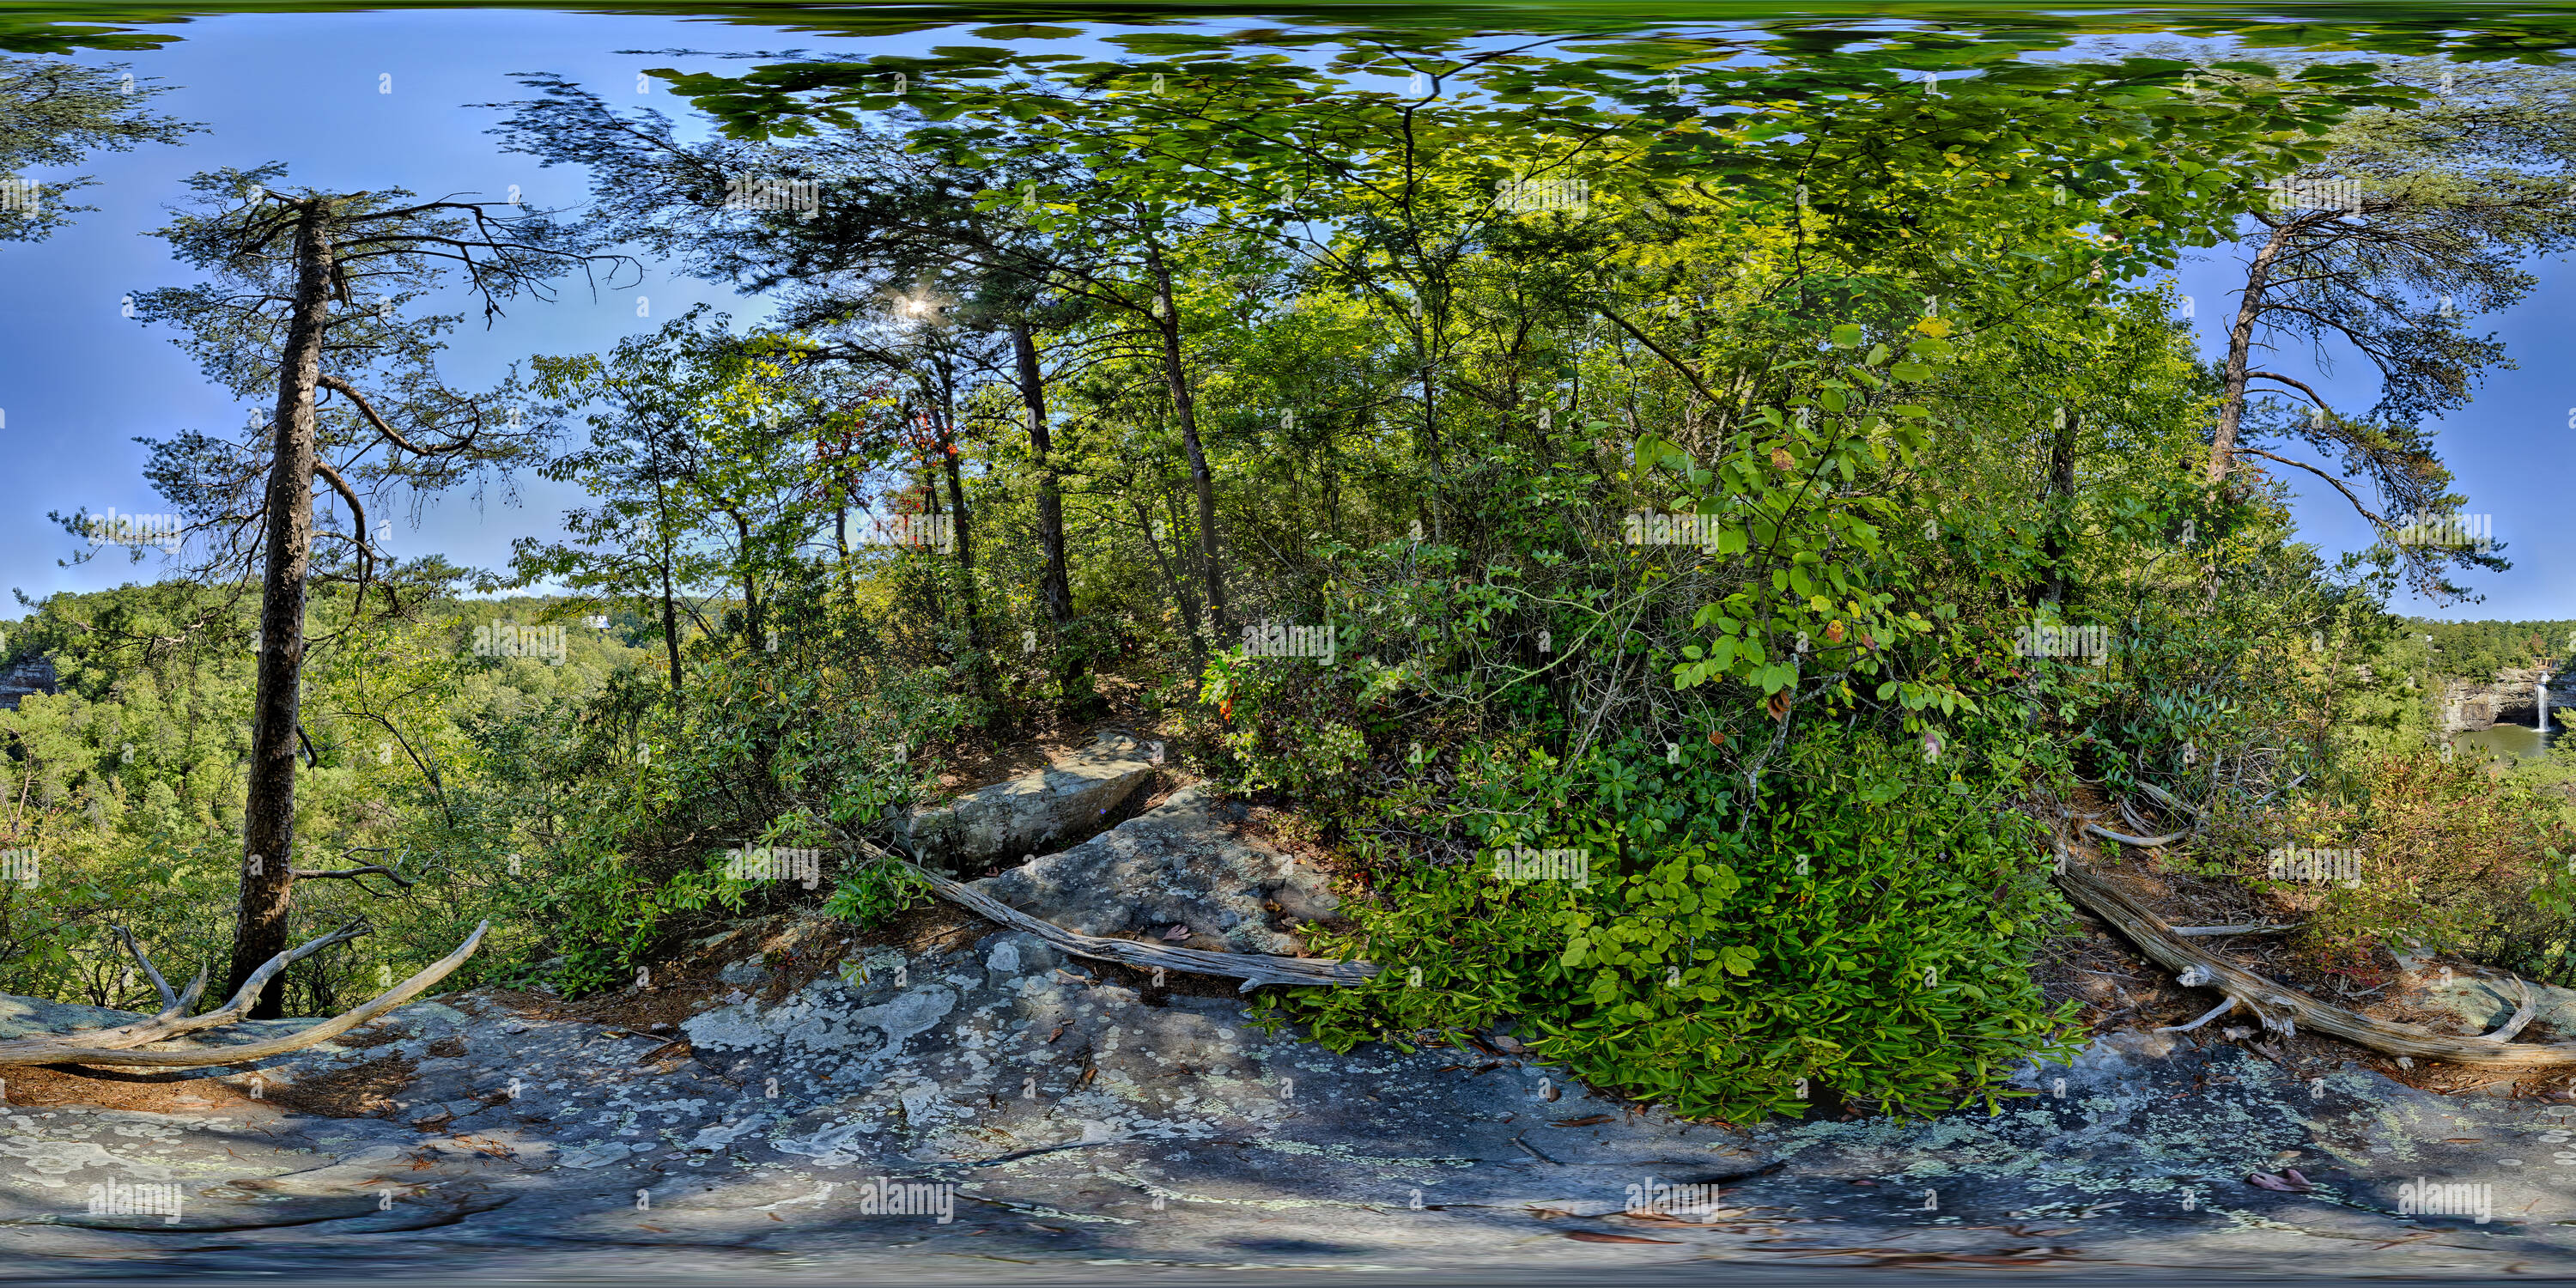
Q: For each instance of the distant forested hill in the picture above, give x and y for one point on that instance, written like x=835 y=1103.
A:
x=2477 y=650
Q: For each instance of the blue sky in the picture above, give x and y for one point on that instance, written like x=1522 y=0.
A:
x=2500 y=448
x=78 y=381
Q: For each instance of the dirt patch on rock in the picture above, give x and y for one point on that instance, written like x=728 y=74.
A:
x=192 y=1091
x=359 y=1091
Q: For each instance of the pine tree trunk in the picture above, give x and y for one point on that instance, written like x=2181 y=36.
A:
x=261 y=929
x=670 y=607
x=2240 y=348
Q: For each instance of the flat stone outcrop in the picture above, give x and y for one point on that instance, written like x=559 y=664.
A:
x=1179 y=864
x=1036 y=1119
x=1034 y=813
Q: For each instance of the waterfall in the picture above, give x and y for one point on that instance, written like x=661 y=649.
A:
x=2543 y=688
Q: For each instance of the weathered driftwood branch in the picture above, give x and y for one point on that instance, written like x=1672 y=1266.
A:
x=159 y=985
x=2214 y=1012
x=2251 y=928
x=2142 y=842
x=1252 y=968
x=174 y=1020
x=2283 y=1009
x=2136 y=820
x=2522 y=1014
x=110 y=1046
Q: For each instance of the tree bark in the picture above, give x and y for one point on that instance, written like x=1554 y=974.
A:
x=670 y=608
x=2240 y=346
x=957 y=503
x=1184 y=405
x=2059 y=498
x=751 y=620
x=268 y=809
x=1055 y=587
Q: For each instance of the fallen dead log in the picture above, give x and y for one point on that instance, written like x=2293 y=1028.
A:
x=111 y=1046
x=1253 y=969
x=2283 y=1009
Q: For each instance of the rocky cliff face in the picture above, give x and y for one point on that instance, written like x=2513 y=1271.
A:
x=2509 y=700
x=35 y=675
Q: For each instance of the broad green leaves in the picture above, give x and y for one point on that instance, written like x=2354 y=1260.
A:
x=1808 y=533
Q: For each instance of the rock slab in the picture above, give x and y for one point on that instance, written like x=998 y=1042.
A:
x=1178 y=864
x=1033 y=813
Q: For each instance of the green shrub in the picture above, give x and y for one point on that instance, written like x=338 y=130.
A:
x=1866 y=928
x=1287 y=723
x=875 y=893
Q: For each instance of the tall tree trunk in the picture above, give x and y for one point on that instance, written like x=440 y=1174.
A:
x=2240 y=348
x=2058 y=497
x=1055 y=587
x=671 y=628
x=965 y=531
x=750 y=586
x=1185 y=406
x=936 y=584
x=670 y=605
x=260 y=929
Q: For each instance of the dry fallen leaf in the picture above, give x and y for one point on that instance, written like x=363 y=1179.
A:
x=654 y=1228
x=1177 y=933
x=1596 y=1236
x=1586 y=1120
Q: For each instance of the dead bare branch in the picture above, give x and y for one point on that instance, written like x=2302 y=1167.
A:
x=370 y=870
x=57 y=1050
x=169 y=998
x=2142 y=842
x=2283 y=1009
